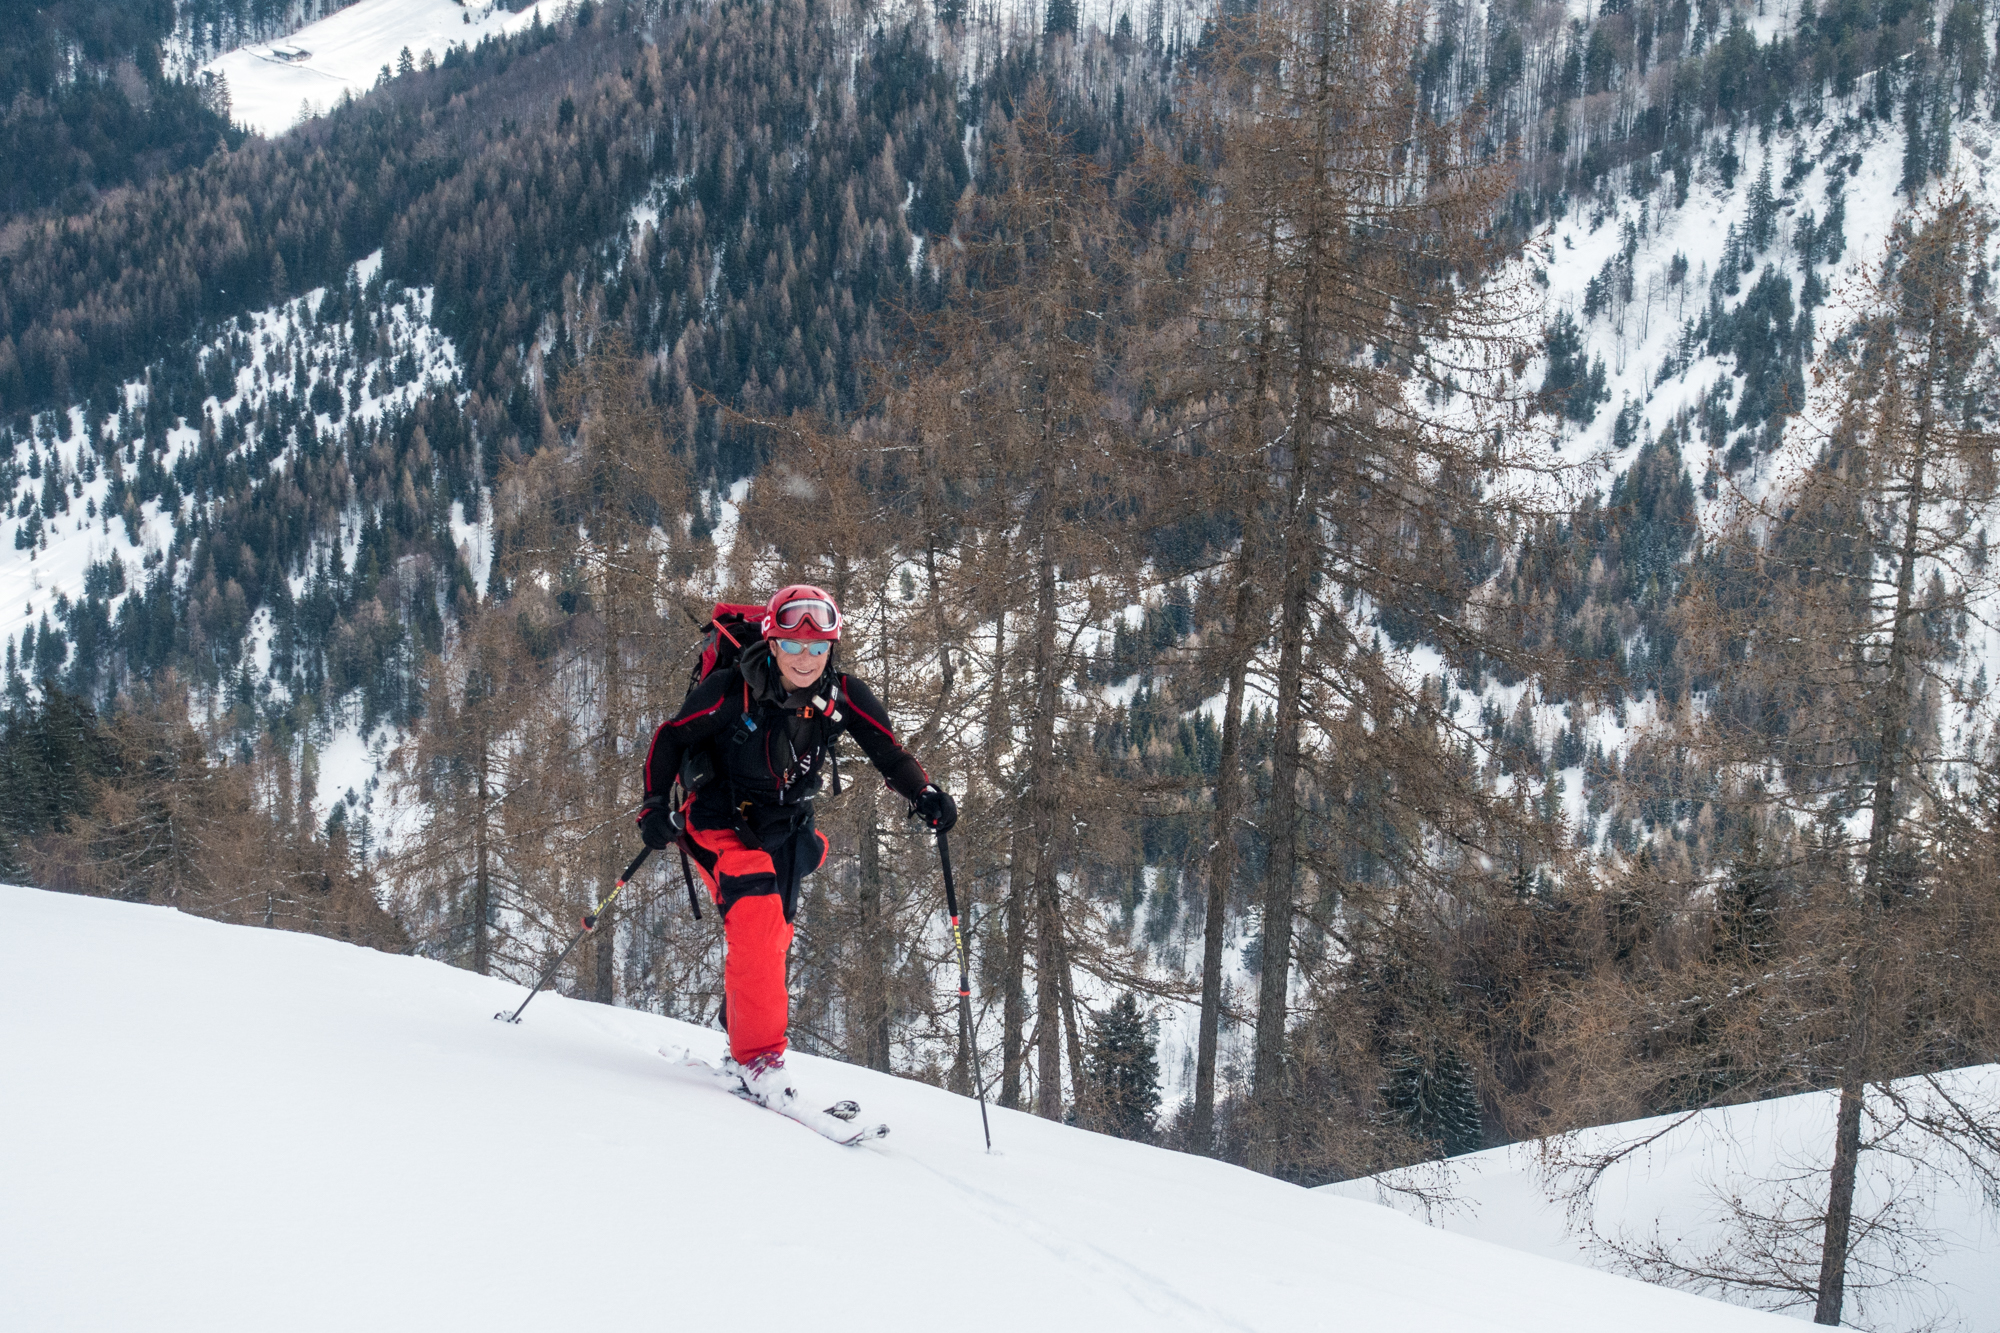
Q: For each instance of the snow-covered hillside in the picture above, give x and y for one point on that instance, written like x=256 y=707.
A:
x=1677 y=1190
x=225 y=1128
x=272 y=86
x=50 y=554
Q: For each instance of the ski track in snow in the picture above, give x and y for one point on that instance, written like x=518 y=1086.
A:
x=227 y=1128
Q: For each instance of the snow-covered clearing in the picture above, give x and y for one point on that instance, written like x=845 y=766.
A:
x=271 y=86
x=221 y=1128
x=1677 y=1188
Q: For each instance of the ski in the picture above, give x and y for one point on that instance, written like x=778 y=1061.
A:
x=834 y=1123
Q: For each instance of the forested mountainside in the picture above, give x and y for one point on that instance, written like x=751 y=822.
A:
x=92 y=103
x=1343 y=597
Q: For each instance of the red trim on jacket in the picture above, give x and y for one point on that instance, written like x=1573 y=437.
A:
x=646 y=770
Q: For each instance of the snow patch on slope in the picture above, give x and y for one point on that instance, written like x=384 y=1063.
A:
x=412 y=357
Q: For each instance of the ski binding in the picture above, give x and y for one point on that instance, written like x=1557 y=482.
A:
x=835 y=1123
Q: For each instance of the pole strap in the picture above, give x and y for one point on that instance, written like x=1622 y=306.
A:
x=694 y=900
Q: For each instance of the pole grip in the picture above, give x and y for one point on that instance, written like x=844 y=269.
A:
x=590 y=921
x=950 y=889
x=633 y=868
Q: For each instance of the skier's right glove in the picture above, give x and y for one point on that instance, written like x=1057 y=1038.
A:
x=657 y=826
x=936 y=808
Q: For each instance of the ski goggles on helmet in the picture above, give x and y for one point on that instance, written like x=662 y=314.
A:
x=814 y=612
x=813 y=647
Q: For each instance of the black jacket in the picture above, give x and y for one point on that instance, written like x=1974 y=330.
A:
x=767 y=743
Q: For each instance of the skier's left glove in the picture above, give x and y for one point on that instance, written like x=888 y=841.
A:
x=936 y=808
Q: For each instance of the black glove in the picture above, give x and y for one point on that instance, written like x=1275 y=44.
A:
x=936 y=808
x=657 y=825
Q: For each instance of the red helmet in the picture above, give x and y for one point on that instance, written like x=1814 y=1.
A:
x=801 y=611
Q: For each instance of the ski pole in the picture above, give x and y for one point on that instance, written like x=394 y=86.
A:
x=964 y=986
x=589 y=924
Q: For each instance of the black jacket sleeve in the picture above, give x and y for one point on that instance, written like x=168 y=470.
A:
x=864 y=718
x=710 y=708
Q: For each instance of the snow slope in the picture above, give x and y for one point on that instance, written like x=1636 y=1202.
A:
x=1675 y=1190
x=345 y=53
x=222 y=1128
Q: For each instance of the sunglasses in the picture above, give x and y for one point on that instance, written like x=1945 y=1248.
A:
x=815 y=647
x=822 y=615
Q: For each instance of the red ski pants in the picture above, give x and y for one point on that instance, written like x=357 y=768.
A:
x=756 y=938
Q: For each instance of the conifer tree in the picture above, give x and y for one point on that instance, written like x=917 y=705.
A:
x=1123 y=1072
x=1027 y=360
x=1432 y=1094
x=594 y=548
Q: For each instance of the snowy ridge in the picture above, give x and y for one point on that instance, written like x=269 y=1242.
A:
x=1858 y=162
x=1641 y=281
x=339 y=1139
x=268 y=346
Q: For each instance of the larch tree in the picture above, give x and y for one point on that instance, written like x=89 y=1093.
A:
x=1035 y=339
x=1836 y=947
x=458 y=772
x=595 y=546
x=1350 y=259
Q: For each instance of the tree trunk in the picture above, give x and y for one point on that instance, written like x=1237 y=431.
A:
x=1013 y=913
x=482 y=868
x=873 y=1007
x=1840 y=1194
x=1048 y=1001
x=1072 y=1030
x=1300 y=555
x=1221 y=873
x=1228 y=787
x=1013 y=994
x=1042 y=815
x=1299 y=551
x=605 y=988
x=1890 y=737
x=1282 y=823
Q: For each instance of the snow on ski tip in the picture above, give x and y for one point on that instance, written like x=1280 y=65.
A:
x=833 y=1123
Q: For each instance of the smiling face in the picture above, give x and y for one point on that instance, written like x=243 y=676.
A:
x=799 y=669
